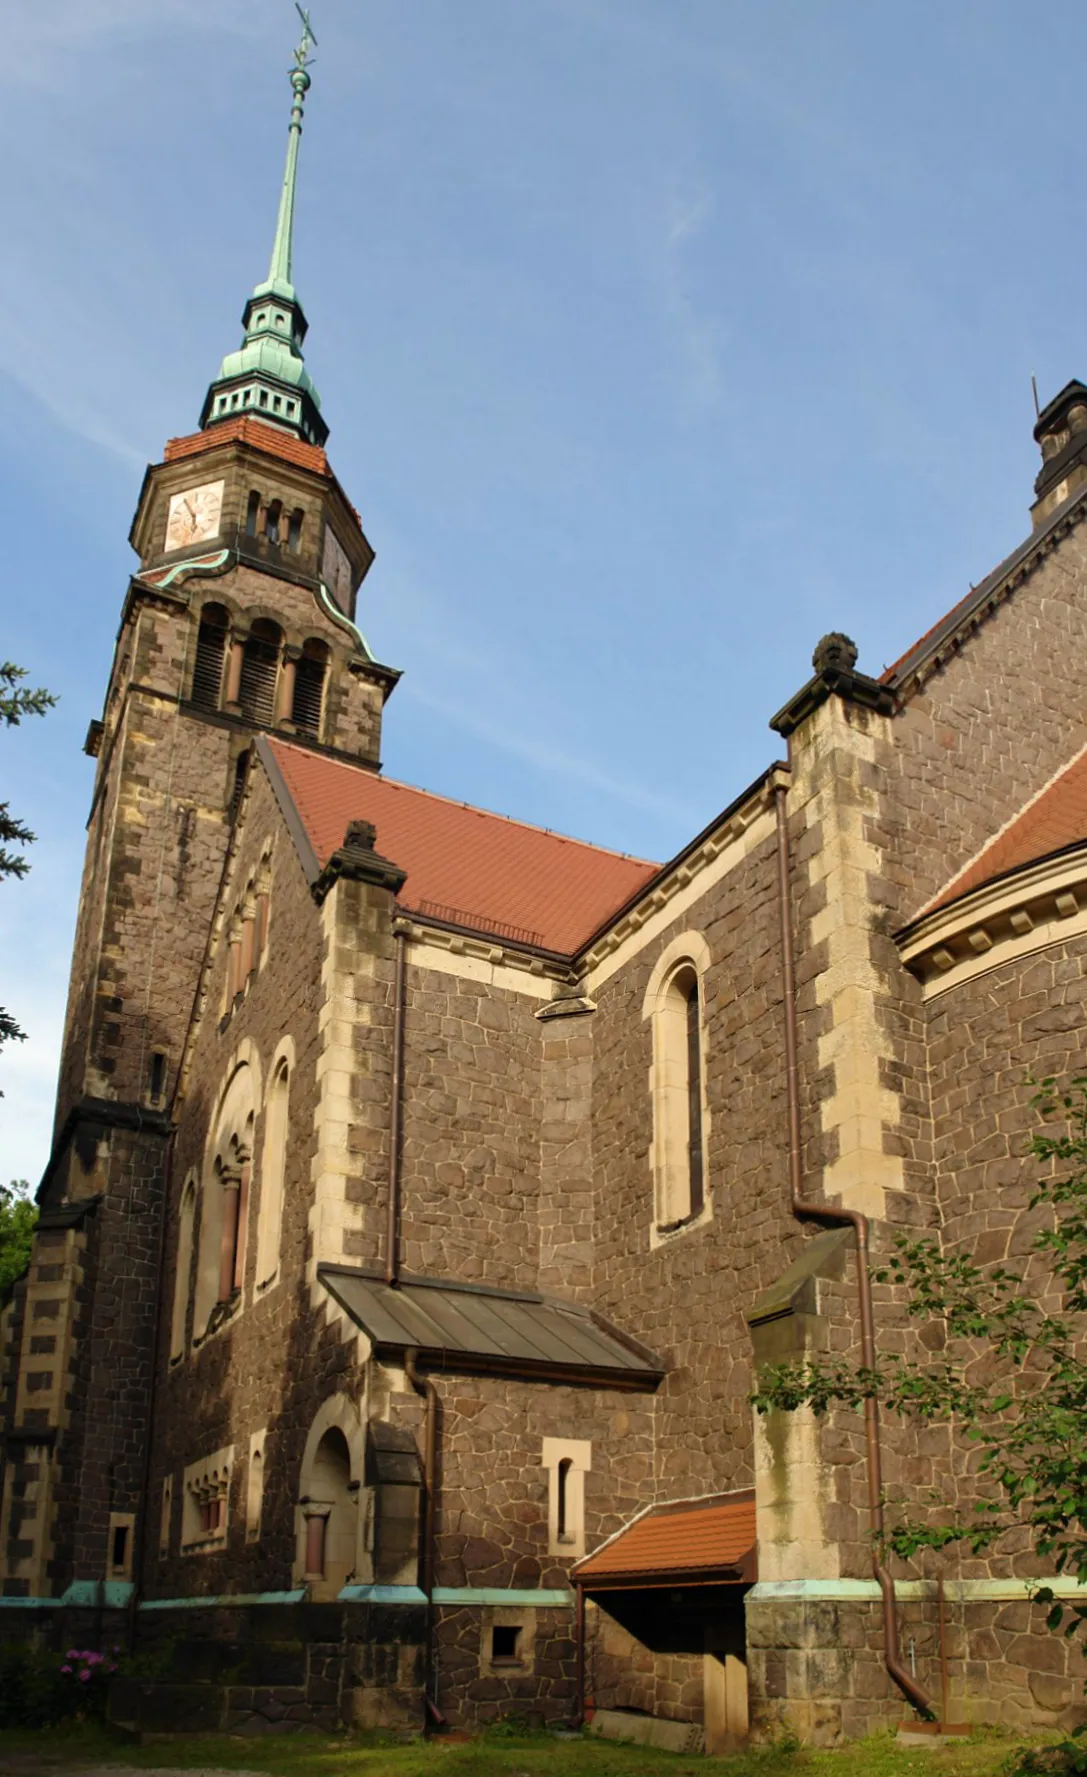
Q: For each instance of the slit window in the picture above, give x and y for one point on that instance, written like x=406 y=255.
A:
x=563 y=1500
x=252 y=512
x=272 y=521
x=156 y=1077
x=211 y=640
x=294 y=527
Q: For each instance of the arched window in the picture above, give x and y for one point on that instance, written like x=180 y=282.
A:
x=252 y=510
x=273 y=1165
x=309 y=683
x=674 y=1001
x=211 y=640
x=294 y=528
x=331 y=1517
x=224 y=1208
x=260 y=665
x=254 y=1489
x=183 y=1274
x=273 y=520
x=563 y=1501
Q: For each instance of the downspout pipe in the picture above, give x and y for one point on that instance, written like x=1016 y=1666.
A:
x=426 y=1387
x=832 y=1215
x=396 y=1117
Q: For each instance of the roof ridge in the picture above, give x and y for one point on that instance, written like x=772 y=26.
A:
x=474 y=808
x=945 y=893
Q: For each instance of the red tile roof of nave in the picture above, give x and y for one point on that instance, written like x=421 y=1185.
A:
x=465 y=865
x=1055 y=819
x=247 y=430
x=691 y=1539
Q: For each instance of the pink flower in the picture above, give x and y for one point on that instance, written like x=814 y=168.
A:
x=72 y=1654
x=84 y=1675
x=67 y=1669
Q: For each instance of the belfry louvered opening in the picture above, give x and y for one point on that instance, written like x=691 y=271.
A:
x=211 y=640
x=260 y=666
x=309 y=685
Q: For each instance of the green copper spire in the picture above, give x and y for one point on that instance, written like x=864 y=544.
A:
x=279 y=271
x=266 y=377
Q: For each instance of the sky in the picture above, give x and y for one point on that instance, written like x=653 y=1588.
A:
x=656 y=337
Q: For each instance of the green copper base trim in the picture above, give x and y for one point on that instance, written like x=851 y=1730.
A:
x=201 y=564
x=865 y=1591
x=224 y=1600
x=29 y=1603
x=380 y=1595
x=93 y=1594
x=331 y=609
x=540 y=1599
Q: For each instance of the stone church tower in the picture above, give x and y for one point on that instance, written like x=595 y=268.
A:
x=249 y=505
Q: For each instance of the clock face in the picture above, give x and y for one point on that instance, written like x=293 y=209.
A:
x=336 y=570
x=194 y=515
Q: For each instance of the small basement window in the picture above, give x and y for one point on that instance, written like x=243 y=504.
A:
x=505 y=1644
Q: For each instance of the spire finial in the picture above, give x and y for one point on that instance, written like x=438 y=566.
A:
x=279 y=271
x=266 y=378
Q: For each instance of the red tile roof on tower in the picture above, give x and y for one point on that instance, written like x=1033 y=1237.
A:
x=465 y=866
x=1054 y=820
x=697 y=1539
x=246 y=430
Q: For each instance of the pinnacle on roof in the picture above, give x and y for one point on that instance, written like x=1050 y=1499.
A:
x=266 y=376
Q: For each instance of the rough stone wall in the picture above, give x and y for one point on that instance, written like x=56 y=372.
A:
x=273 y=1362
x=471 y=1153
x=494 y=1486
x=622 y=1673
x=473 y=1692
x=817 y=1667
x=686 y=1298
x=992 y=726
x=565 y=1200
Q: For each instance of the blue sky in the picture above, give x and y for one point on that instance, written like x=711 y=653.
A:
x=657 y=337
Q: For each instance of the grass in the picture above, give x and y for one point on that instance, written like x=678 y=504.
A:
x=496 y=1754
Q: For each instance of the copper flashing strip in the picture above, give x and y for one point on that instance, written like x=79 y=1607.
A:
x=835 y=1216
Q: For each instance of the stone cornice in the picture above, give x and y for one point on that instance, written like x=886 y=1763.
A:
x=1010 y=917
x=494 y=951
x=833 y=681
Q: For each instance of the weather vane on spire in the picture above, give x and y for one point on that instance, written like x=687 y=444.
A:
x=301 y=54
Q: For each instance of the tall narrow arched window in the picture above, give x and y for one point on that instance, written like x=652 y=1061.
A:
x=183 y=1274
x=309 y=684
x=211 y=640
x=252 y=510
x=260 y=666
x=273 y=1166
x=273 y=521
x=674 y=1001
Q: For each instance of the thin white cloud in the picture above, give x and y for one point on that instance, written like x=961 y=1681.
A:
x=544 y=756
x=699 y=334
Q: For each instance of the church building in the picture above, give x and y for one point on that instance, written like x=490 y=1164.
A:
x=427 y=1188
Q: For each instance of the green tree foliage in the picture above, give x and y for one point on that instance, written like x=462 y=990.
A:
x=1007 y=1367
x=16 y=701
x=18 y=1214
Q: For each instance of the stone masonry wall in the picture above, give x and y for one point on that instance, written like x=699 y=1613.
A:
x=274 y=1361
x=686 y=1297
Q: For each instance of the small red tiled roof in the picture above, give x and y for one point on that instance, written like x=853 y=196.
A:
x=247 y=430
x=465 y=865
x=1054 y=819
x=695 y=1538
